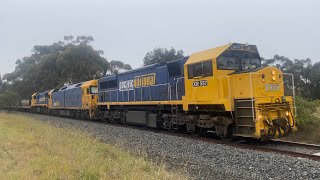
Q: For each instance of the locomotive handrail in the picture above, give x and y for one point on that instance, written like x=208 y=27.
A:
x=134 y=90
x=169 y=88
x=251 y=94
x=293 y=93
x=177 y=97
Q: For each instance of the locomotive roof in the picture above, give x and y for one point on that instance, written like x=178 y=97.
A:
x=89 y=83
x=44 y=92
x=81 y=84
x=34 y=94
x=216 y=52
x=112 y=77
x=108 y=78
x=207 y=54
x=140 y=69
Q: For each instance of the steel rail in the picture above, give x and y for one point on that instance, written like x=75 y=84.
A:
x=296 y=144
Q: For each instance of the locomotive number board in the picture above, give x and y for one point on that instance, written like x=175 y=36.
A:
x=272 y=87
x=200 y=83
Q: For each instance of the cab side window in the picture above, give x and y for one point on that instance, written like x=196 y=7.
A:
x=112 y=84
x=207 y=68
x=200 y=69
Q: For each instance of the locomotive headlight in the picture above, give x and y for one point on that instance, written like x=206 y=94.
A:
x=263 y=76
x=258 y=118
x=277 y=100
x=287 y=113
x=273 y=75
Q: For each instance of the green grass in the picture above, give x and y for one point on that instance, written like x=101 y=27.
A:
x=308 y=112
x=308 y=121
x=32 y=149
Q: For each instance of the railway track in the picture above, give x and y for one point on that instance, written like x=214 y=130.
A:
x=311 y=151
x=300 y=150
x=291 y=143
x=294 y=149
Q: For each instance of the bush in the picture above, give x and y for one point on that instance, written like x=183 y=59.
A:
x=9 y=98
x=308 y=112
x=308 y=121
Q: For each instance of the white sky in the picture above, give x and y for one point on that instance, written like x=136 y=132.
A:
x=126 y=30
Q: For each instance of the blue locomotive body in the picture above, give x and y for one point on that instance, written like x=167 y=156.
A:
x=68 y=97
x=157 y=82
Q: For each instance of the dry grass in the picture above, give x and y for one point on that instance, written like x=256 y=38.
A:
x=32 y=149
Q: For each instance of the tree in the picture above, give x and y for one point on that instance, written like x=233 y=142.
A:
x=315 y=80
x=162 y=55
x=9 y=98
x=79 y=63
x=52 y=66
x=118 y=66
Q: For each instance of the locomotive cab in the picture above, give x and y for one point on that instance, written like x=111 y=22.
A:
x=234 y=94
x=90 y=96
x=39 y=102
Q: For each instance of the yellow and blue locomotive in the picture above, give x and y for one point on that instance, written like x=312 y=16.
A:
x=39 y=102
x=223 y=90
x=76 y=100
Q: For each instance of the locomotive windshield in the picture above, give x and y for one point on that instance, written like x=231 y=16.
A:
x=93 y=90
x=239 y=59
x=228 y=63
x=250 y=63
x=233 y=63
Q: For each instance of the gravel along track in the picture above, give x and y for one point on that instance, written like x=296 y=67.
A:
x=199 y=159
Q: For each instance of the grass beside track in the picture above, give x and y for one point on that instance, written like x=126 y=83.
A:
x=33 y=149
x=308 y=121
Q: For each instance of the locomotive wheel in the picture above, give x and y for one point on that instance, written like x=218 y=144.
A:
x=203 y=132
x=229 y=134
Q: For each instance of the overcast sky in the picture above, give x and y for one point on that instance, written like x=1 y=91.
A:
x=127 y=29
